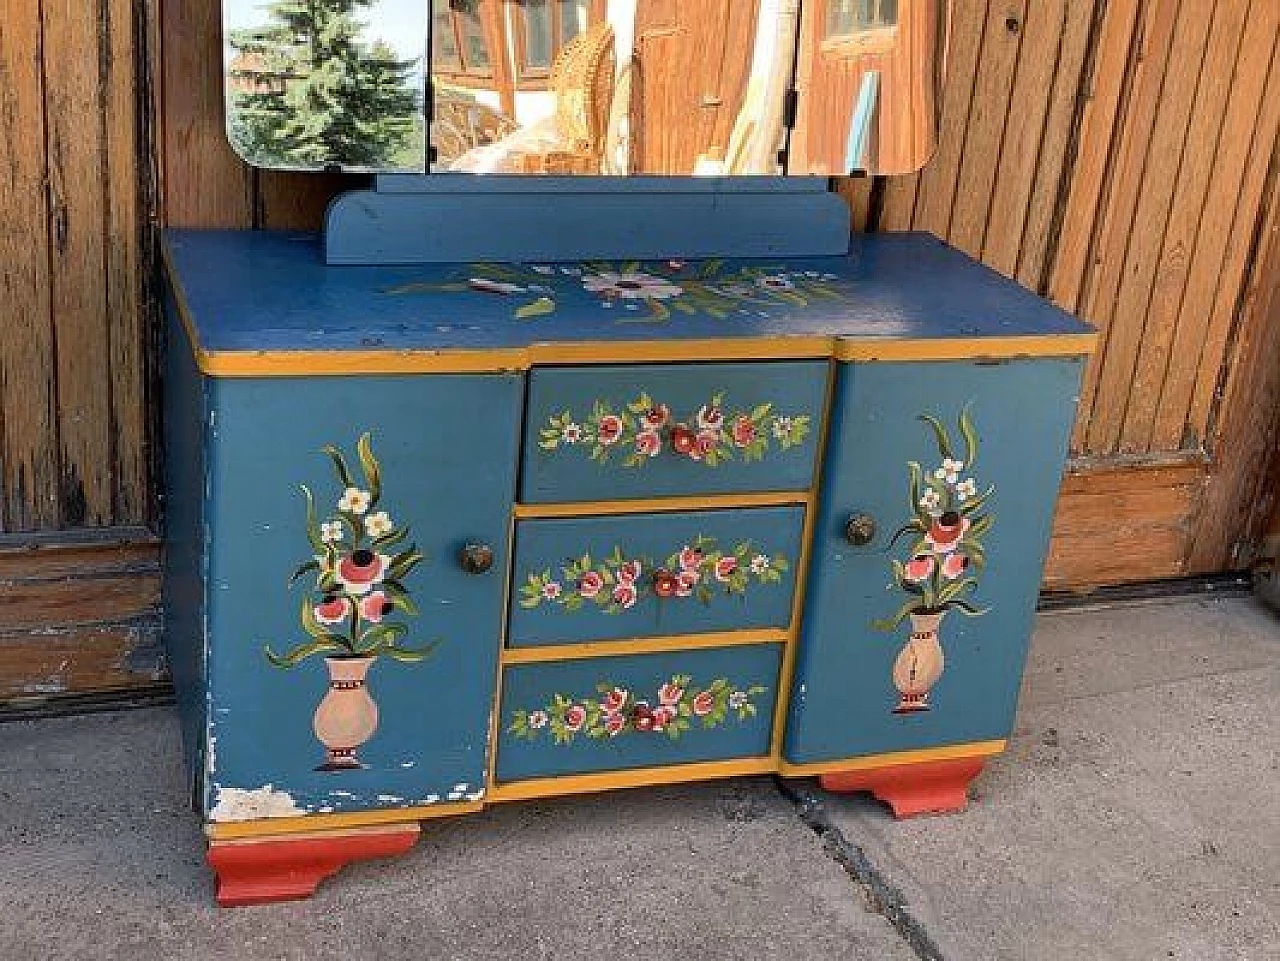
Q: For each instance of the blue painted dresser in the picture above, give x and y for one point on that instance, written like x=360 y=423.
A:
x=445 y=534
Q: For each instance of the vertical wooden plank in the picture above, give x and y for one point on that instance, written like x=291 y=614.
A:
x=297 y=201
x=1234 y=509
x=988 y=117
x=1048 y=183
x=1172 y=270
x=205 y=183
x=1240 y=257
x=938 y=180
x=1227 y=185
x=1125 y=184
x=899 y=204
x=1134 y=274
x=77 y=186
x=1097 y=133
x=128 y=168
x=28 y=426
x=856 y=192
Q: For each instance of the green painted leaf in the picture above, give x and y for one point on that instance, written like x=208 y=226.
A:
x=311 y=565
x=313 y=528
x=296 y=655
x=970 y=434
x=940 y=434
x=339 y=465
x=372 y=472
x=537 y=308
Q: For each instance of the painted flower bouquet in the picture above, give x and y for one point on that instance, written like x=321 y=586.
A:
x=945 y=558
x=677 y=706
x=615 y=583
x=642 y=428
x=358 y=566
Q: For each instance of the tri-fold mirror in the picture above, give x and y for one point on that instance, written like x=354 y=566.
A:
x=587 y=87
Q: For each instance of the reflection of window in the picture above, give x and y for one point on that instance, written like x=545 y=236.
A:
x=846 y=18
x=544 y=26
x=458 y=44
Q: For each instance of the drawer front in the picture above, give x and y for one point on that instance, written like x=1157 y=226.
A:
x=643 y=575
x=643 y=710
x=620 y=432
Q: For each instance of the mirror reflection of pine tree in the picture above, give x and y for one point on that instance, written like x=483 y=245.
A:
x=307 y=89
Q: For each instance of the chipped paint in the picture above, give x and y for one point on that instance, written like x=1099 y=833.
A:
x=407 y=764
x=476 y=795
x=390 y=798
x=245 y=804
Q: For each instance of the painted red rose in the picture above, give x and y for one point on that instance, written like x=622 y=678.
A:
x=656 y=417
x=725 y=567
x=665 y=583
x=361 y=570
x=703 y=703
x=629 y=572
x=683 y=440
x=670 y=694
x=589 y=584
x=375 y=606
x=690 y=559
x=614 y=724
x=642 y=716
x=954 y=565
x=614 y=700
x=705 y=443
x=685 y=582
x=609 y=429
x=945 y=532
x=744 y=431
x=662 y=716
x=332 y=610
x=710 y=417
x=919 y=567
x=624 y=595
x=648 y=442
x=575 y=717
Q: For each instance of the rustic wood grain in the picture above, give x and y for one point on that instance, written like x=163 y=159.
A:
x=76 y=660
x=856 y=192
x=1171 y=428
x=28 y=420
x=297 y=201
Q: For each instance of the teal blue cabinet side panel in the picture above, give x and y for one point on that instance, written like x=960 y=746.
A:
x=750 y=585
x=184 y=536
x=555 y=717
x=608 y=432
x=984 y=559
x=443 y=449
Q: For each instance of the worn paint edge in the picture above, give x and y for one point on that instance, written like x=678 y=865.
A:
x=871 y=761
x=636 y=777
x=572 y=509
x=412 y=827
x=580 y=650
x=267 y=827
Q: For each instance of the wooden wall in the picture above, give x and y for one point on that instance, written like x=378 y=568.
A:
x=1118 y=156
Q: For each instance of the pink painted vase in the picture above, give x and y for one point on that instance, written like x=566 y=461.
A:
x=919 y=664
x=347 y=716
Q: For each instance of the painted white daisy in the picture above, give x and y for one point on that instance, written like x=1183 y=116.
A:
x=775 y=282
x=538 y=719
x=571 y=434
x=759 y=564
x=737 y=699
x=781 y=427
x=331 y=532
x=378 y=524
x=631 y=285
x=930 y=500
x=354 y=501
x=967 y=488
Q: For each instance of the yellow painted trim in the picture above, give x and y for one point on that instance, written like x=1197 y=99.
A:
x=658 y=504
x=641 y=645
x=968 y=348
x=294 y=363
x=637 y=777
x=870 y=761
x=331 y=833
x=267 y=827
x=495 y=703
x=664 y=351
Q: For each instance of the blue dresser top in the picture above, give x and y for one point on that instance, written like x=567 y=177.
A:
x=264 y=302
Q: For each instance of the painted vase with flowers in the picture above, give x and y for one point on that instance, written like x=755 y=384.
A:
x=354 y=603
x=944 y=561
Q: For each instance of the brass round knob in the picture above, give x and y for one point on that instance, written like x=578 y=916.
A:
x=860 y=529
x=476 y=558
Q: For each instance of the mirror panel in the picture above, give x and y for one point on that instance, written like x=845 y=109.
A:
x=611 y=87
x=869 y=85
x=326 y=83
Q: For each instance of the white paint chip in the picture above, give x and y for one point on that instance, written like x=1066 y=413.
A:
x=245 y=804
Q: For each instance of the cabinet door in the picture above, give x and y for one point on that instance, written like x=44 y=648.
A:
x=917 y=637
x=294 y=492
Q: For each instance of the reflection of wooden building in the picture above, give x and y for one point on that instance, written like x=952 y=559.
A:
x=1145 y=200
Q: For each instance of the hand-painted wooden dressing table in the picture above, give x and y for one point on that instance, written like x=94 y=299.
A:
x=587 y=487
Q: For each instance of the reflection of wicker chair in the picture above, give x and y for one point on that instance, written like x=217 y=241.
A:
x=459 y=123
x=582 y=81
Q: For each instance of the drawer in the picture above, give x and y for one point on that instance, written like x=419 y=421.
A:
x=637 y=431
x=642 y=575
x=642 y=710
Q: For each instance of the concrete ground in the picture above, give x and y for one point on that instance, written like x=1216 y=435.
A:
x=1136 y=816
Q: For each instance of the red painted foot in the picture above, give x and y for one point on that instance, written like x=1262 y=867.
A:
x=928 y=787
x=286 y=869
